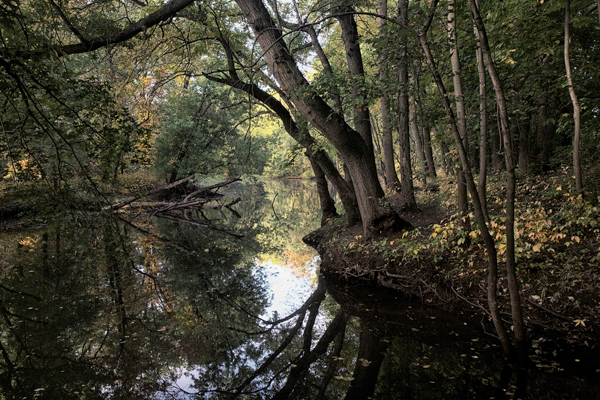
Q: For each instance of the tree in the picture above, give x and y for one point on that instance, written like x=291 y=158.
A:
x=407 y=191
x=511 y=273
x=391 y=177
x=492 y=255
x=574 y=100
x=353 y=149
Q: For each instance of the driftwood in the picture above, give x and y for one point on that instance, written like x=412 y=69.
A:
x=189 y=202
x=150 y=193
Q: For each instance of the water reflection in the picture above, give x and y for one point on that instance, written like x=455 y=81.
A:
x=138 y=308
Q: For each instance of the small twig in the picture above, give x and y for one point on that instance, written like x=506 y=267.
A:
x=211 y=187
x=548 y=310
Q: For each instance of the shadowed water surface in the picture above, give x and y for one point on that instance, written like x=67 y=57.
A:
x=132 y=307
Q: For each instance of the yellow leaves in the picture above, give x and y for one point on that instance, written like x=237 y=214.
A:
x=575 y=239
x=579 y=322
x=28 y=242
x=537 y=248
x=473 y=234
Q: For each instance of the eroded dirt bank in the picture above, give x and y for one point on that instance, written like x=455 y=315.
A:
x=560 y=308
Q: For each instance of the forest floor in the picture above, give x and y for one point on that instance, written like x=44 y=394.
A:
x=440 y=263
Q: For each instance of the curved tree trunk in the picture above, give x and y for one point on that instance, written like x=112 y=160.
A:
x=477 y=206
x=352 y=148
x=511 y=275
x=574 y=100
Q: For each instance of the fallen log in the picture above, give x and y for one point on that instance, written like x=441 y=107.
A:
x=187 y=202
x=151 y=192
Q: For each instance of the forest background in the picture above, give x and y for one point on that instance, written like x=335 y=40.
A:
x=97 y=93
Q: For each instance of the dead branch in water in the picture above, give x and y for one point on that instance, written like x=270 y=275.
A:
x=151 y=192
x=190 y=201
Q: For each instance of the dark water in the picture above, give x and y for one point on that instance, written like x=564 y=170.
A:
x=148 y=308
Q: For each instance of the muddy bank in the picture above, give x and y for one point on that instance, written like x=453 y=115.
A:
x=560 y=310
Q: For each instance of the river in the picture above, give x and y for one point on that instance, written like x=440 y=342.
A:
x=227 y=303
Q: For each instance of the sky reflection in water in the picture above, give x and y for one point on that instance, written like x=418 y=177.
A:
x=142 y=309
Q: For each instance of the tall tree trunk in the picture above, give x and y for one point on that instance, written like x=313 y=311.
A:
x=574 y=100
x=463 y=208
x=362 y=118
x=429 y=152
x=477 y=206
x=444 y=154
x=407 y=191
x=426 y=129
x=378 y=145
x=391 y=177
x=511 y=275
x=483 y=128
x=414 y=130
x=352 y=148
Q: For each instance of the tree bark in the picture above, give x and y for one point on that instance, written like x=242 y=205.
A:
x=483 y=128
x=327 y=204
x=574 y=100
x=414 y=130
x=362 y=117
x=391 y=177
x=463 y=203
x=407 y=191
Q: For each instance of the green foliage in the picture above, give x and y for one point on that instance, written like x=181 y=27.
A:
x=201 y=132
x=55 y=126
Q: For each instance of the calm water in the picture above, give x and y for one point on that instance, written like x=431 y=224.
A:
x=227 y=304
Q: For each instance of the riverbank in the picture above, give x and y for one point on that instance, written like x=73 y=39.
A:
x=441 y=264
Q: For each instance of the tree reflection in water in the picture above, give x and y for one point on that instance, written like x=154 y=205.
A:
x=152 y=309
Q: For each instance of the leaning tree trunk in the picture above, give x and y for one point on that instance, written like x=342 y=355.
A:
x=574 y=100
x=345 y=191
x=511 y=275
x=477 y=206
x=352 y=148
